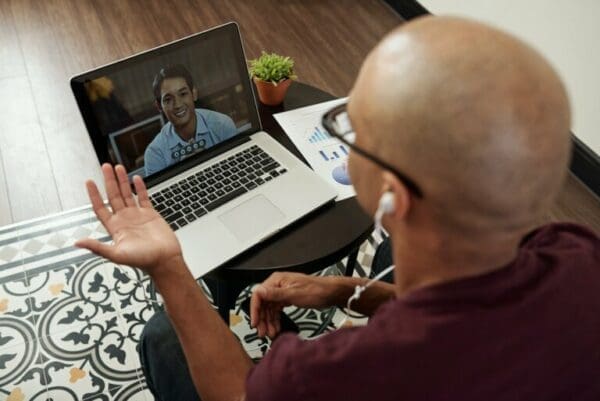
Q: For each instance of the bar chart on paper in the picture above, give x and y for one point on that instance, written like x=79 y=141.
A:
x=329 y=148
x=318 y=135
x=326 y=155
x=334 y=152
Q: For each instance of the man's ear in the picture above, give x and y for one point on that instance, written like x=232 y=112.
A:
x=402 y=199
x=195 y=94
x=157 y=105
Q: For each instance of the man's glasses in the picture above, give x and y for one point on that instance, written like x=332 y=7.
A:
x=337 y=124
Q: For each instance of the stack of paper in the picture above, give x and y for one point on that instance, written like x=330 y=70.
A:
x=327 y=156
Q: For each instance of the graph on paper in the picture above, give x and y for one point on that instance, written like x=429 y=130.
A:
x=335 y=152
x=318 y=135
x=328 y=148
x=325 y=154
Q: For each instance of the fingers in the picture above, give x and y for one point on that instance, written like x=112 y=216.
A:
x=97 y=247
x=264 y=314
x=261 y=328
x=269 y=322
x=142 y=193
x=97 y=203
x=279 y=311
x=255 y=302
x=273 y=323
x=257 y=310
x=115 y=198
x=124 y=186
x=118 y=188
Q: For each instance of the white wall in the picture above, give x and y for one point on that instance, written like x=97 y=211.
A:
x=567 y=32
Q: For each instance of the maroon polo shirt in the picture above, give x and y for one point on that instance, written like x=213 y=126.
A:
x=528 y=331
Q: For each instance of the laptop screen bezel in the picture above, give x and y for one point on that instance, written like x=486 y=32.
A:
x=77 y=84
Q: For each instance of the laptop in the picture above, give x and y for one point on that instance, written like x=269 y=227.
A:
x=184 y=117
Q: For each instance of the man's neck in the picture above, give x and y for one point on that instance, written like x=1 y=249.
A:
x=435 y=262
x=188 y=131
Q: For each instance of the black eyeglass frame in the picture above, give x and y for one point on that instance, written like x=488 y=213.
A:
x=328 y=122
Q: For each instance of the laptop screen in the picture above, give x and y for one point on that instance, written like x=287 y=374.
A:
x=152 y=111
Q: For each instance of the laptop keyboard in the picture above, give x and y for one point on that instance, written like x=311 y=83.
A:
x=202 y=192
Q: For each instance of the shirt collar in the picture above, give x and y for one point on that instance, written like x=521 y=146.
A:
x=201 y=128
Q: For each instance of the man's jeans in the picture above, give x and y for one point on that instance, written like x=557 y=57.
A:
x=162 y=358
x=163 y=361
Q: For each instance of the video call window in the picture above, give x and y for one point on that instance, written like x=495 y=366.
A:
x=156 y=112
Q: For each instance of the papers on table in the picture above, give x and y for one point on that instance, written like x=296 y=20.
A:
x=326 y=155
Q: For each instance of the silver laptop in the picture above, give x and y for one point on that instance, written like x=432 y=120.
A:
x=184 y=117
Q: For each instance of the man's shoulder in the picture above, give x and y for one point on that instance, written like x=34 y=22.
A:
x=566 y=230
x=574 y=243
x=210 y=114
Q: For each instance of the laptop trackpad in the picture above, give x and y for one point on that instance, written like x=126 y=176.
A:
x=250 y=219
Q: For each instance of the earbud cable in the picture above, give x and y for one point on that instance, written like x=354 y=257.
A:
x=359 y=289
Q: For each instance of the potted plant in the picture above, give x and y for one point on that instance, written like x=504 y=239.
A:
x=272 y=75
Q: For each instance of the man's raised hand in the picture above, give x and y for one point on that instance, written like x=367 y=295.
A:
x=141 y=237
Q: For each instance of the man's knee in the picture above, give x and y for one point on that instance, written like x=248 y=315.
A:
x=157 y=330
x=157 y=341
x=163 y=361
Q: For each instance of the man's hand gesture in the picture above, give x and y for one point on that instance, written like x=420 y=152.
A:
x=141 y=237
x=284 y=289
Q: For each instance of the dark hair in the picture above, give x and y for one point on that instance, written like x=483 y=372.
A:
x=172 y=71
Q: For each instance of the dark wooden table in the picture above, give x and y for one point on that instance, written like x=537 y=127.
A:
x=320 y=239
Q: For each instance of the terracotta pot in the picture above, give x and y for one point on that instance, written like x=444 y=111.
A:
x=271 y=94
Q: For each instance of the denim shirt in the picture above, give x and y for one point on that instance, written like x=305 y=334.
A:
x=167 y=147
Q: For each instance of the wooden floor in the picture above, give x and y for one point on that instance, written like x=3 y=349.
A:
x=45 y=153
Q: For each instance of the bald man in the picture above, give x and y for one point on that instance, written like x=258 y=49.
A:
x=467 y=131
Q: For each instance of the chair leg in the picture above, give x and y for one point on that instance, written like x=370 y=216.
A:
x=352 y=259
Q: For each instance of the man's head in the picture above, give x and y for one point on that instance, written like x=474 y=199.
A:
x=475 y=117
x=175 y=94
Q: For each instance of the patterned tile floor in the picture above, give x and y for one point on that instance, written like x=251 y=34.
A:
x=70 y=321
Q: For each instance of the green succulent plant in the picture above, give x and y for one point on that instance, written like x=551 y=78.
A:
x=272 y=68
